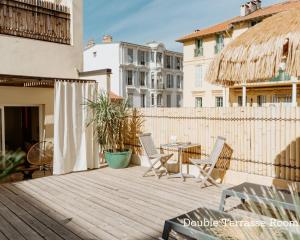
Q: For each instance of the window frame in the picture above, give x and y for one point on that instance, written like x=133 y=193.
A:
x=196 y=102
x=219 y=101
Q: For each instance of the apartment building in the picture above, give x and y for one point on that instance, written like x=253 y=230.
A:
x=148 y=75
x=201 y=46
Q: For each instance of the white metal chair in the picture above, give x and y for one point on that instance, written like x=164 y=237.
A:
x=153 y=156
x=206 y=166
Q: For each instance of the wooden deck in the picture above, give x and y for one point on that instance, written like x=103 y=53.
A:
x=101 y=204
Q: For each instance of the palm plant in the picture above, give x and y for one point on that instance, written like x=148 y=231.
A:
x=110 y=119
x=10 y=162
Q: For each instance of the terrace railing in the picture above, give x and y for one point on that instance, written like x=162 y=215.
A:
x=35 y=19
x=265 y=141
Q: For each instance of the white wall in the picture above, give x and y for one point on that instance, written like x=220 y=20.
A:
x=21 y=56
x=107 y=56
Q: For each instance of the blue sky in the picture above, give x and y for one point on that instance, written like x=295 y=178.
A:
x=141 y=21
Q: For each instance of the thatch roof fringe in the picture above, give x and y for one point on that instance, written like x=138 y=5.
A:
x=256 y=55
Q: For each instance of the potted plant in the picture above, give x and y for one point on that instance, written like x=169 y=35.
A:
x=111 y=123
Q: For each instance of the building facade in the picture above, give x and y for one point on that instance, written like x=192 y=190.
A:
x=31 y=59
x=201 y=46
x=147 y=75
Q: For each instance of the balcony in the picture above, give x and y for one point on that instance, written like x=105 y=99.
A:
x=219 y=47
x=38 y=20
x=198 y=52
x=160 y=86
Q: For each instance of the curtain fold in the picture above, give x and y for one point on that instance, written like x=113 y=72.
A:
x=74 y=146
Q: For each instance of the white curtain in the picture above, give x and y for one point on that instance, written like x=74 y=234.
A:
x=74 y=145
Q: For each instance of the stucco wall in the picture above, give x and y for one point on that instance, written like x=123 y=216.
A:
x=20 y=96
x=207 y=91
x=103 y=56
x=21 y=56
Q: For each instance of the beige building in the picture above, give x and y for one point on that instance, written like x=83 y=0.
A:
x=201 y=46
x=31 y=59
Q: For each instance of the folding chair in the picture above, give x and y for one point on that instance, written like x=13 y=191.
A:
x=153 y=156
x=206 y=166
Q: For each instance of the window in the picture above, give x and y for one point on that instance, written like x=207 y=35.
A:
x=240 y=101
x=94 y=54
x=178 y=82
x=142 y=79
x=142 y=57
x=199 y=76
x=159 y=100
x=143 y=100
x=152 y=100
x=219 y=101
x=159 y=57
x=130 y=99
x=198 y=102
x=261 y=100
x=199 y=48
x=169 y=100
x=219 y=43
x=282 y=98
x=129 y=77
x=178 y=63
x=152 y=57
x=170 y=81
x=178 y=100
x=130 y=55
x=152 y=80
x=169 y=64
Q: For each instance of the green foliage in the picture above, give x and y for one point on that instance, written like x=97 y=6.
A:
x=110 y=119
x=10 y=162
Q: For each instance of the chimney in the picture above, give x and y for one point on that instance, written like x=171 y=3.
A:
x=245 y=10
x=107 y=39
x=91 y=43
x=252 y=6
x=258 y=4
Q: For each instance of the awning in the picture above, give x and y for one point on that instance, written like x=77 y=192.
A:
x=258 y=54
x=33 y=81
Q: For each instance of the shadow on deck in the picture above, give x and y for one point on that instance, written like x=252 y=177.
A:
x=100 y=204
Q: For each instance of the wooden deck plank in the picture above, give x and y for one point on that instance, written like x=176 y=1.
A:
x=52 y=213
x=72 y=208
x=102 y=204
x=71 y=213
x=51 y=224
x=2 y=236
x=16 y=222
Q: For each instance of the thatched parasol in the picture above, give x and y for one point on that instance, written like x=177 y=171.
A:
x=258 y=54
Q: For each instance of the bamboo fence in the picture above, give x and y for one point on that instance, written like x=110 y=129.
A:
x=35 y=19
x=264 y=141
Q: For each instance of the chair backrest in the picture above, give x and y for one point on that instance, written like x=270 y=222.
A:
x=148 y=144
x=217 y=150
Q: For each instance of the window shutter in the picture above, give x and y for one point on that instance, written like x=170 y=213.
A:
x=199 y=76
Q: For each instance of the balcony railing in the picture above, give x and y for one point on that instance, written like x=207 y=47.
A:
x=40 y=20
x=219 y=47
x=160 y=86
x=198 y=52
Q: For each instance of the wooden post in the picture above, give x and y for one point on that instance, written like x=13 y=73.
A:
x=244 y=95
x=294 y=91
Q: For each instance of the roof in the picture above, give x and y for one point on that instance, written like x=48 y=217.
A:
x=224 y=26
x=255 y=57
x=114 y=96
